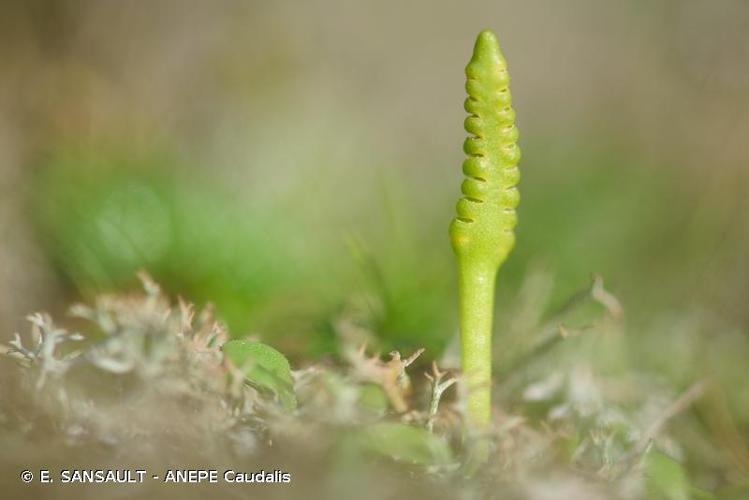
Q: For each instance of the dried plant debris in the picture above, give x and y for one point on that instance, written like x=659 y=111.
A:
x=150 y=381
x=390 y=375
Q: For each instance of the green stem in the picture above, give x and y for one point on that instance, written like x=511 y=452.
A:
x=476 y=308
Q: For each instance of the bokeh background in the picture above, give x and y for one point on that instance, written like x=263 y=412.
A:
x=297 y=165
x=288 y=161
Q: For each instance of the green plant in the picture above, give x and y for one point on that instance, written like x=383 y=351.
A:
x=482 y=232
x=263 y=367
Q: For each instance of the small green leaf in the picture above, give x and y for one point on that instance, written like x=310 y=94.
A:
x=666 y=478
x=373 y=400
x=406 y=443
x=265 y=368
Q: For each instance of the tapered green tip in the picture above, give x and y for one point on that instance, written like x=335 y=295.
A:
x=486 y=48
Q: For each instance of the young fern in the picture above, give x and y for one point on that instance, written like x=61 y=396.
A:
x=482 y=232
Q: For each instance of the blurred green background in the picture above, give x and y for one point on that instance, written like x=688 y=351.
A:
x=297 y=165
x=293 y=161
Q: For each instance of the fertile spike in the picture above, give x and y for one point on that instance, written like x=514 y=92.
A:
x=482 y=231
